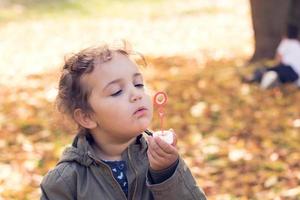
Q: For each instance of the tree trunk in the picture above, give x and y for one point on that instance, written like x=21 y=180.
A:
x=269 y=18
x=294 y=13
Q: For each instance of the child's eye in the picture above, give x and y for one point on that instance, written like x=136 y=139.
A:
x=139 y=85
x=117 y=93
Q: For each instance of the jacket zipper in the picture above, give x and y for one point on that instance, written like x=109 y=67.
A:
x=135 y=185
x=118 y=185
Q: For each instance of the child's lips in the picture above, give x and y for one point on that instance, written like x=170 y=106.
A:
x=140 y=111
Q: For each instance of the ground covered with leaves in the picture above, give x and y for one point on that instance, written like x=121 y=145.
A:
x=239 y=141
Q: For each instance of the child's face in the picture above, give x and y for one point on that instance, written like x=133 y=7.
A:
x=117 y=93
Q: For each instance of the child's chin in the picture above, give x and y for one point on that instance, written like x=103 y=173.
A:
x=143 y=126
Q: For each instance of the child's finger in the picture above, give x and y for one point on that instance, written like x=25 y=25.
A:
x=152 y=160
x=167 y=148
x=156 y=158
x=155 y=148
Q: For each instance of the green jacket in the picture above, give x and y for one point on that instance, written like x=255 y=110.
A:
x=80 y=175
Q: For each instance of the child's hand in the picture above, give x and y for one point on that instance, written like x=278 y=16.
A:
x=161 y=155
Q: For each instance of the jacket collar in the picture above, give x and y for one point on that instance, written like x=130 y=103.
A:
x=82 y=152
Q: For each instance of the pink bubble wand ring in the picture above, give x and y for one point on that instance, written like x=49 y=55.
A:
x=160 y=100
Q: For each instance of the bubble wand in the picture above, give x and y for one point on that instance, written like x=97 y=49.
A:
x=160 y=100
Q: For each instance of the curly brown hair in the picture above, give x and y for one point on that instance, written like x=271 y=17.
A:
x=72 y=93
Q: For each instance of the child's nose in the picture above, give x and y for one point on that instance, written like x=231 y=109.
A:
x=135 y=96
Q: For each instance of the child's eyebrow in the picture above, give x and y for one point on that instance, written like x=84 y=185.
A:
x=120 y=79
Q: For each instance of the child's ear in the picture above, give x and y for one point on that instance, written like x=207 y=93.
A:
x=84 y=119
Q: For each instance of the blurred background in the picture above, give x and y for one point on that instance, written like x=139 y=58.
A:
x=239 y=141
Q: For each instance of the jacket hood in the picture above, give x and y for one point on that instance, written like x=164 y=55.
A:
x=81 y=150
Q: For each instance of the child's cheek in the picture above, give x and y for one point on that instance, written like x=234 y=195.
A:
x=151 y=106
x=151 y=113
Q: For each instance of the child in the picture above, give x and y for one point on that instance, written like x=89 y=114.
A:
x=288 y=57
x=103 y=91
